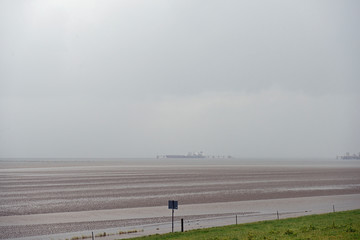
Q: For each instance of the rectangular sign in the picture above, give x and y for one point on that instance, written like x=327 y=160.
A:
x=173 y=204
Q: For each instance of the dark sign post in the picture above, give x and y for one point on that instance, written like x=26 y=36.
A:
x=173 y=205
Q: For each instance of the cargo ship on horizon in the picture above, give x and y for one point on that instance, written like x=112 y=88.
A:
x=189 y=155
x=192 y=155
x=347 y=156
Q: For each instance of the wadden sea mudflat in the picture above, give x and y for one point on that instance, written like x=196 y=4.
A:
x=54 y=196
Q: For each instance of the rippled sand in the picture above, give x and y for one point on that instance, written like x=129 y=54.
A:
x=42 y=187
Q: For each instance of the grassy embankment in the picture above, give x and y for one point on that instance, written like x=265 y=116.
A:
x=339 y=225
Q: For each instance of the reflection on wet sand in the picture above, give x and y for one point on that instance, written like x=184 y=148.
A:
x=35 y=187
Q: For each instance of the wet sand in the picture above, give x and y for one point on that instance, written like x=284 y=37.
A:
x=49 y=197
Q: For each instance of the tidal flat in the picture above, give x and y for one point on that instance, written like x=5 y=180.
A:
x=40 y=197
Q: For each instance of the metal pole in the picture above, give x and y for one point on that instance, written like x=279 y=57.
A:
x=277 y=213
x=333 y=208
x=236 y=219
x=182 y=225
x=172 y=222
x=92 y=235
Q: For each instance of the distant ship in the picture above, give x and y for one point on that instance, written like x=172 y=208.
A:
x=189 y=155
x=349 y=157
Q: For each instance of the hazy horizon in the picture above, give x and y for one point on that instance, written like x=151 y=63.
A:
x=207 y=159
x=136 y=78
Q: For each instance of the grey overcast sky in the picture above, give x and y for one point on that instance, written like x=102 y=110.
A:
x=135 y=78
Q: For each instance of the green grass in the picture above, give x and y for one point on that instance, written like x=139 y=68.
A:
x=334 y=226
